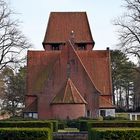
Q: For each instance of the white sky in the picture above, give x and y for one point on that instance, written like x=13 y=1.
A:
x=34 y=16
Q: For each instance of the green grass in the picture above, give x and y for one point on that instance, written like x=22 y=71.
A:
x=69 y=130
x=124 y=115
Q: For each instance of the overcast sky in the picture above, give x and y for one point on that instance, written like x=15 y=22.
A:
x=34 y=16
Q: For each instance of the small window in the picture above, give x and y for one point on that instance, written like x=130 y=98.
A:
x=26 y=115
x=55 y=46
x=82 y=46
x=88 y=113
x=31 y=115
x=102 y=113
x=35 y=115
x=68 y=69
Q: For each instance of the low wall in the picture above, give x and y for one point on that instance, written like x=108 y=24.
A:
x=70 y=136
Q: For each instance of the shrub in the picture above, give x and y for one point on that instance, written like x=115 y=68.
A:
x=115 y=118
x=25 y=134
x=61 y=125
x=114 y=134
x=83 y=125
x=19 y=119
x=28 y=124
x=72 y=123
x=109 y=118
x=55 y=125
x=84 y=118
x=114 y=124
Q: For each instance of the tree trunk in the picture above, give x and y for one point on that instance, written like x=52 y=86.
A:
x=120 y=97
x=114 y=102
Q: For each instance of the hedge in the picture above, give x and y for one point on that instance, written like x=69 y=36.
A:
x=114 y=134
x=25 y=134
x=114 y=124
x=52 y=124
x=28 y=124
x=55 y=125
x=83 y=125
x=61 y=125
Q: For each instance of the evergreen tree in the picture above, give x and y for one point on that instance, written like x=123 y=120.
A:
x=14 y=90
x=123 y=79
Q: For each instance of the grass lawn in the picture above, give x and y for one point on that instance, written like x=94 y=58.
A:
x=69 y=130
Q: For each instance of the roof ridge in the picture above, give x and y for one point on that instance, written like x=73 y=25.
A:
x=84 y=67
x=105 y=99
x=78 y=92
x=65 y=92
x=30 y=105
x=73 y=92
x=70 y=82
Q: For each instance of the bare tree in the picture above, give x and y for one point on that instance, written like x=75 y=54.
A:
x=12 y=42
x=129 y=28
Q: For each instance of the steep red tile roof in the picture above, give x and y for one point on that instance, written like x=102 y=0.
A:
x=32 y=107
x=83 y=65
x=97 y=64
x=104 y=103
x=69 y=94
x=61 y=24
x=40 y=66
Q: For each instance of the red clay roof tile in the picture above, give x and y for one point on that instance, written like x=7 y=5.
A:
x=61 y=24
x=97 y=64
x=31 y=107
x=104 y=103
x=69 y=95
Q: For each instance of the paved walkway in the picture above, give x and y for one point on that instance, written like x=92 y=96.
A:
x=70 y=136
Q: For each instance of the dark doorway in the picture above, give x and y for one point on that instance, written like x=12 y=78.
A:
x=102 y=113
